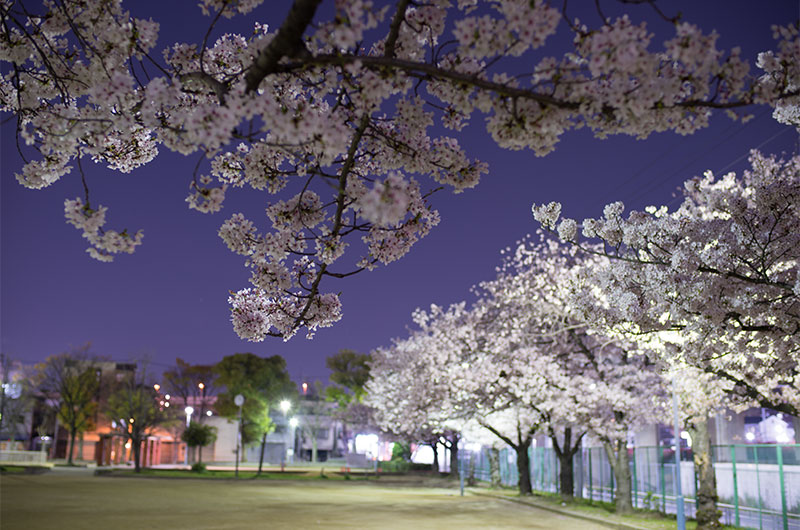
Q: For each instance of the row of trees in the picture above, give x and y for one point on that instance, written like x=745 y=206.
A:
x=580 y=337
x=77 y=389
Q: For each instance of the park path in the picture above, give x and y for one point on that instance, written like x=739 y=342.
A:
x=79 y=501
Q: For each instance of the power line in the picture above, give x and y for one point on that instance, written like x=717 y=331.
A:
x=702 y=154
x=737 y=160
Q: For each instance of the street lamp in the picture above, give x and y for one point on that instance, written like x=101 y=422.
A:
x=202 y=388
x=189 y=411
x=239 y=401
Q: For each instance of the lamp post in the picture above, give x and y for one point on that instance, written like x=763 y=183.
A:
x=189 y=411
x=202 y=388
x=239 y=401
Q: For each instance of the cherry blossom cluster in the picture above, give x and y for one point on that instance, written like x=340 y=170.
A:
x=331 y=118
x=518 y=360
x=720 y=272
x=104 y=243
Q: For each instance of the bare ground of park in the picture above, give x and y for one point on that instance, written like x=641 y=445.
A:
x=80 y=500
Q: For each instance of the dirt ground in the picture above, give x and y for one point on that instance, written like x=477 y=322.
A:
x=71 y=499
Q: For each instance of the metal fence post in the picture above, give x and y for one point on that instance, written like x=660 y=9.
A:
x=635 y=492
x=461 y=474
x=649 y=476
x=735 y=487
x=779 y=451
x=591 y=491
x=663 y=483
x=758 y=485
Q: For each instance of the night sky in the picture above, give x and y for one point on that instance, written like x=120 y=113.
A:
x=169 y=299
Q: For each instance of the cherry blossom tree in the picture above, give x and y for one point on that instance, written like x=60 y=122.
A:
x=597 y=383
x=333 y=119
x=407 y=396
x=520 y=360
x=489 y=379
x=721 y=270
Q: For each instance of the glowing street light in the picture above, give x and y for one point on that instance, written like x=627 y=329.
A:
x=202 y=388
x=285 y=405
x=157 y=387
x=189 y=411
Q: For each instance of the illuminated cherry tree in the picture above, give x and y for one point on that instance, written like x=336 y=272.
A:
x=409 y=398
x=447 y=374
x=332 y=119
x=516 y=363
x=605 y=385
x=721 y=271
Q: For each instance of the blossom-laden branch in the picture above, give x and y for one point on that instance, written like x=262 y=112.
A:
x=282 y=112
x=717 y=281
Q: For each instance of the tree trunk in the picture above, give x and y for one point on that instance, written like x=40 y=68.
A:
x=494 y=467
x=524 y=467
x=454 y=455
x=345 y=449
x=707 y=513
x=565 y=481
x=617 y=452
x=200 y=454
x=136 y=447
x=471 y=481
x=566 y=471
x=435 y=465
x=55 y=438
x=261 y=456
x=72 y=436
x=314 y=448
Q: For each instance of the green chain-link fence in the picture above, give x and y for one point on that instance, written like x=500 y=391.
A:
x=758 y=485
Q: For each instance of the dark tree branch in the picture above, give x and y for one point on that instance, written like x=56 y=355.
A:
x=288 y=42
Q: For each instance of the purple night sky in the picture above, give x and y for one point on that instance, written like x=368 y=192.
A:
x=169 y=299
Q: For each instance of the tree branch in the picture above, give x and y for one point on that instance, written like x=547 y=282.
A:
x=288 y=42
